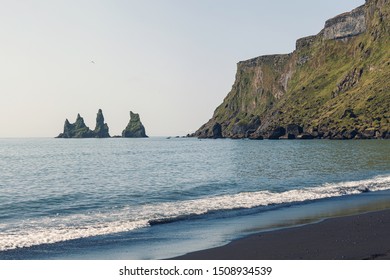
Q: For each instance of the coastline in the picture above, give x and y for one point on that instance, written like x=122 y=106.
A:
x=147 y=204
x=356 y=237
x=158 y=242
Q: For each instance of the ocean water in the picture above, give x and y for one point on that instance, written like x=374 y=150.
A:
x=159 y=198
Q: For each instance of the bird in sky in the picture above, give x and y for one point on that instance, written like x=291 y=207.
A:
x=92 y=61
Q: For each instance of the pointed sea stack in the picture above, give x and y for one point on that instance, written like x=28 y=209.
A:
x=134 y=129
x=76 y=130
x=101 y=129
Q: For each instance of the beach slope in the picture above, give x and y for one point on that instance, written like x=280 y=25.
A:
x=363 y=236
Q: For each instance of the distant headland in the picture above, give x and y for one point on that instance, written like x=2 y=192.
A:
x=78 y=129
x=335 y=85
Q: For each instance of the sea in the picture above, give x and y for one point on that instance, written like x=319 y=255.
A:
x=157 y=198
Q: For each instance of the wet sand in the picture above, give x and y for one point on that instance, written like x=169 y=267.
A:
x=363 y=236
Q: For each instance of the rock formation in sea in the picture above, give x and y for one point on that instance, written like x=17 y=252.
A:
x=78 y=129
x=101 y=129
x=135 y=128
x=335 y=85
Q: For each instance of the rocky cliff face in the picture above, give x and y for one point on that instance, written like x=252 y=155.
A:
x=334 y=85
x=346 y=25
x=80 y=130
x=135 y=128
x=259 y=84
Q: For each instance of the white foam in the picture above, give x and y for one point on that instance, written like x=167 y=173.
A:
x=46 y=234
x=61 y=228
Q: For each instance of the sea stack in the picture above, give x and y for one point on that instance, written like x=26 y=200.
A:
x=80 y=130
x=101 y=129
x=135 y=128
x=76 y=130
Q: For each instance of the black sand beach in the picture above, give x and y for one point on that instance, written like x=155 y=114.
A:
x=363 y=236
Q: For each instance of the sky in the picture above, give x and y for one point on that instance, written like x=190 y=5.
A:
x=171 y=61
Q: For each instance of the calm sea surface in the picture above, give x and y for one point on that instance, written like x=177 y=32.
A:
x=158 y=198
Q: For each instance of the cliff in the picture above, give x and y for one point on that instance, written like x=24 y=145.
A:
x=334 y=85
x=346 y=25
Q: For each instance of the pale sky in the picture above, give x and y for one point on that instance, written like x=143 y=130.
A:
x=171 y=61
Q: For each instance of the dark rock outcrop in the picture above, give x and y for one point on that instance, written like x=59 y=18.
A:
x=255 y=136
x=135 y=128
x=217 y=131
x=348 y=114
x=293 y=131
x=277 y=133
x=101 y=129
x=80 y=130
x=243 y=129
x=76 y=130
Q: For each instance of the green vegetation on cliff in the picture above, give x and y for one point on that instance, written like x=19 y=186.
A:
x=334 y=85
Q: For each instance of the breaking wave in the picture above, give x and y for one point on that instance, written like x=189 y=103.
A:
x=62 y=228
